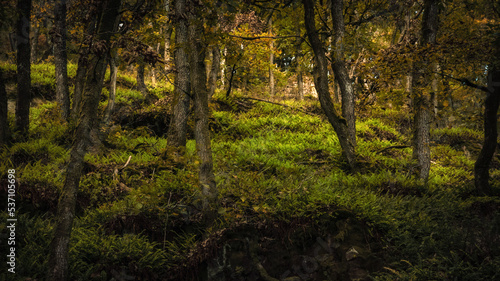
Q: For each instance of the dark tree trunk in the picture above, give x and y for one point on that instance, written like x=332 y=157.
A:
x=421 y=100
x=4 y=122
x=491 y=104
x=58 y=258
x=320 y=71
x=23 y=66
x=202 y=132
x=61 y=58
x=214 y=71
x=180 y=106
x=340 y=70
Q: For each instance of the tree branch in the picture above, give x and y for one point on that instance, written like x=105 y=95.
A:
x=466 y=82
x=264 y=37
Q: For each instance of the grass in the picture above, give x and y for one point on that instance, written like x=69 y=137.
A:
x=272 y=164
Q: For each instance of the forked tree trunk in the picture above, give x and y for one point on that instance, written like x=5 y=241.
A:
x=320 y=71
x=60 y=58
x=340 y=70
x=58 y=258
x=421 y=100
x=491 y=104
x=202 y=132
x=182 y=90
x=23 y=66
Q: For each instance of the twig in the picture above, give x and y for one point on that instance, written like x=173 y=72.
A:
x=393 y=146
x=284 y=105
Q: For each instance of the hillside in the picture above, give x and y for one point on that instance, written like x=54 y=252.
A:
x=290 y=208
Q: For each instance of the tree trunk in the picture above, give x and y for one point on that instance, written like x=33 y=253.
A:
x=58 y=258
x=113 y=69
x=491 y=104
x=320 y=71
x=34 y=42
x=202 y=132
x=23 y=66
x=271 y=59
x=141 y=86
x=214 y=71
x=4 y=122
x=421 y=100
x=340 y=70
x=182 y=90
x=60 y=58
x=298 y=69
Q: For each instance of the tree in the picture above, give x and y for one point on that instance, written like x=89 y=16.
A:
x=60 y=58
x=421 y=100
x=340 y=70
x=200 y=94
x=491 y=105
x=58 y=259
x=182 y=86
x=320 y=73
x=23 y=66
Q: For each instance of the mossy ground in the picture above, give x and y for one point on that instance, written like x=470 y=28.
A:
x=284 y=192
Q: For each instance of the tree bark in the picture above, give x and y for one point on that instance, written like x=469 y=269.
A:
x=110 y=107
x=271 y=60
x=141 y=85
x=23 y=66
x=491 y=105
x=214 y=70
x=61 y=58
x=320 y=71
x=58 y=258
x=4 y=122
x=340 y=70
x=421 y=100
x=202 y=132
x=182 y=87
x=298 y=69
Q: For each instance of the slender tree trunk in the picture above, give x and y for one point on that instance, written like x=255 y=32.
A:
x=34 y=42
x=421 y=100
x=321 y=82
x=340 y=70
x=23 y=66
x=202 y=132
x=141 y=85
x=182 y=90
x=4 y=122
x=167 y=53
x=214 y=71
x=153 y=69
x=58 y=258
x=298 y=69
x=491 y=105
x=81 y=71
x=271 y=60
x=61 y=58
x=113 y=69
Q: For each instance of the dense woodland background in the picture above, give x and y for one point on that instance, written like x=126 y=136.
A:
x=251 y=140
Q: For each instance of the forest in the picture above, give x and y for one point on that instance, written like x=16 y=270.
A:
x=249 y=140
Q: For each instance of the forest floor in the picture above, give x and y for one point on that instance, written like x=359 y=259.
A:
x=290 y=208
